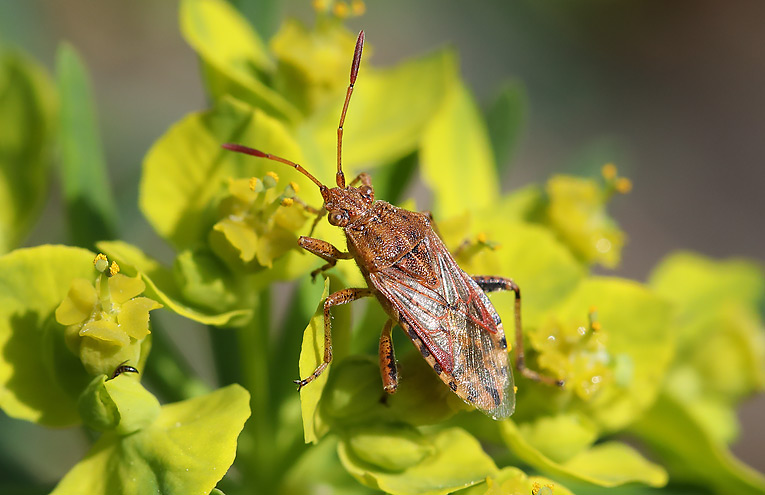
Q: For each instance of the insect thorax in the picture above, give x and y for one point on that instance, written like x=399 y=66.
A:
x=384 y=235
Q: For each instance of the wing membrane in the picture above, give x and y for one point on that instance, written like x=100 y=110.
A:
x=445 y=309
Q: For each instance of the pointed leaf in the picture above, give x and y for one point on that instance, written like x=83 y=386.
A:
x=504 y=119
x=311 y=355
x=40 y=378
x=90 y=206
x=457 y=159
x=457 y=461
x=513 y=481
x=186 y=451
x=691 y=454
x=388 y=114
x=27 y=110
x=185 y=173
x=609 y=464
x=232 y=54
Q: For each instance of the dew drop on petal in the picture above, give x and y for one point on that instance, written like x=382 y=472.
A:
x=603 y=245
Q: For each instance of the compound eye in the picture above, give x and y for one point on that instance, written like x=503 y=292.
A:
x=367 y=192
x=338 y=218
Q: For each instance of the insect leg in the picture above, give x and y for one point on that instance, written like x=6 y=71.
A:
x=319 y=212
x=388 y=369
x=323 y=250
x=492 y=284
x=364 y=178
x=343 y=296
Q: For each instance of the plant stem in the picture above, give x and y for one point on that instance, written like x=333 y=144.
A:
x=255 y=353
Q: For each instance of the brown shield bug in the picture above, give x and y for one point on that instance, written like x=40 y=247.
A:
x=408 y=269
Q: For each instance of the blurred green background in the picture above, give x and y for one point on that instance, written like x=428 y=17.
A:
x=673 y=93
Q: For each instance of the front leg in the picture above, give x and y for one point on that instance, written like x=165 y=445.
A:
x=343 y=296
x=323 y=250
x=492 y=284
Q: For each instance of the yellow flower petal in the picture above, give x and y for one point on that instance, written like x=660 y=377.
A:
x=240 y=236
x=124 y=288
x=78 y=303
x=105 y=331
x=134 y=316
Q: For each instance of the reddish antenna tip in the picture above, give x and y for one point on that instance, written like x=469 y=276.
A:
x=357 y=56
x=244 y=149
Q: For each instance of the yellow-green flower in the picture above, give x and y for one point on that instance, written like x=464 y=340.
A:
x=577 y=213
x=576 y=352
x=257 y=224
x=106 y=321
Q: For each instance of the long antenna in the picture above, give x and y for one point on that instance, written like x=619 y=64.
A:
x=252 y=151
x=354 y=72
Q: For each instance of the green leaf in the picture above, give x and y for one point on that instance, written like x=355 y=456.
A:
x=354 y=397
x=559 y=437
x=232 y=54
x=391 y=181
x=389 y=447
x=27 y=109
x=91 y=211
x=161 y=285
x=264 y=15
x=205 y=282
x=607 y=464
x=187 y=450
x=504 y=119
x=40 y=378
x=457 y=160
x=319 y=468
x=311 y=356
x=512 y=480
x=120 y=404
x=354 y=394
x=721 y=345
x=698 y=286
x=691 y=454
x=422 y=398
x=455 y=461
x=186 y=171
x=387 y=116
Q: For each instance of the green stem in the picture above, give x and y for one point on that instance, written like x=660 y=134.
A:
x=255 y=353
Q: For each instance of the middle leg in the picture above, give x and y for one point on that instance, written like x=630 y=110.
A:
x=343 y=296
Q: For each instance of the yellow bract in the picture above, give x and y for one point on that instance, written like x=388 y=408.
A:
x=577 y=212
x=257 y=224
x=106 y=323
x=123 y=288
x=78 y=304
x=133 y=318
